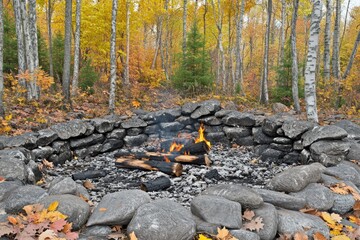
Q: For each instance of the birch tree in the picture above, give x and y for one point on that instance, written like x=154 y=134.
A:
x=126 y=73
x=33 y=32
x=49 y=12
x=352 y=56
x=264 y=94
x=75 y=80
x=240 y=9
x=184 y=27
x=295 y=70
x=327 y=41
x=67 y=52
x=310 y=70
x=282 y=32
x=336 y=41
x=113 y=57
x=2 y=112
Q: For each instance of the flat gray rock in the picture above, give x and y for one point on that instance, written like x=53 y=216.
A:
x=234 y=133
x=354 y=151
x=22 y=196
x=269 y=215
x=46 y=136
x=111 y=144
x=342 y=203
x=273 y=123
x=87 y=141
x=211 y=121
x=162 y=219
x=292 y=221
x=351 y=128
x=135 y=140
x=202 y=226
x=330 y=132
x=95 y=233
x=102 y=125
x=206 y=108
x=344 y=172
x=329 y=153
x=317 y=196
x=189 y=107
x=294 y=129
x=237 y=193
x=72 y=206
x=73 y=128
x=242 y=234
x=166 y=115
x=282 y=200
x=217 y=210
x=62 y=185
x=26 y=140
x=7 y=187
x=117 y=134
x=171 y=127
x=12 y=164
x=133 y=122
x=118 y=208
x=239 y=119
x=296 y=178
x=43 y=152
x=260 y=137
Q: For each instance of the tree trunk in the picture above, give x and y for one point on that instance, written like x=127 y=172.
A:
x=295 y=70
x=282 y=32
x=20 y=42
x=310 y=71
x=33 y=31
x=126 y=73
x=204 y=21
x=352 y=57
x=49 y=17
x=2 y=112
x=238 y=65
x=75 y=80
x=164 y=51
x=327 y=37
x=264 y=95
x=345 y=21
x=113 y=58
x=336 y=42
x=67 y=52
x=158 y=42
x=184 y=27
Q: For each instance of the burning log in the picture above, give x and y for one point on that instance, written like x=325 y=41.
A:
x=171 y=157
x=170 y=168
x=157 y=184
x=190 y=148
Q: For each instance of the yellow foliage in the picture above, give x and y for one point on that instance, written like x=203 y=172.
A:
x=203 y=237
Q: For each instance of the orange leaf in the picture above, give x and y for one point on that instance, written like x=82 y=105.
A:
x=132 y=236
x=12 y=220
x=319 y=236
x=248 y=214
x=53 y=206
x=102 y=209
x=222 y=233
x=300 y=236
x=356 y=205
x=2 y=179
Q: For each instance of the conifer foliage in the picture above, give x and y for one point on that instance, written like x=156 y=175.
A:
x=194 y=75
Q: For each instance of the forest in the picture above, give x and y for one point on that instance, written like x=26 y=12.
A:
x=65 y=59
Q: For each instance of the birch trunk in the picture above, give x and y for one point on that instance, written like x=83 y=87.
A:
x=49 y=17
x=75 y=80
x=20 y=42
x=2 y=112
x=352 y=57
x=310 y=71
x=67 y=52
x=336 y=42
x=165 y=50
x=126 y=73
x=33 y=31
x=295 y=70
x=184 y=27
x=240 y=7
x=282 y=32
x=345 y=21
x=327 y=38
x=113 y=57
x=157 y=43
x=264 y=94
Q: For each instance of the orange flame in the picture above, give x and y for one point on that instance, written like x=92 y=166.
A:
x=176 y=147
x=166 y=159
x=201 y=137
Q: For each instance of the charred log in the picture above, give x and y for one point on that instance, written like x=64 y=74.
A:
x=157 y=184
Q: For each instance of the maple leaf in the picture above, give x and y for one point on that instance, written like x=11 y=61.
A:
x=255 y=224
x=285 y=236
x=58 y=225
x=340 y=237
x=222 y=233
x=67 y=228
x=248 y=214
x=203 y=237
x=319 y=236
x=72 y=235
x=327 y=217
x=136 y=104
x=336 y=217
x=48 y=234
x=356 y=205
x=88 y=184
x=132 y=236
x=47 y=164
x=12 y=220
x=300 y=236
x=53 y=206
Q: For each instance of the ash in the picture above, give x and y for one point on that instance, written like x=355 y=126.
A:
x=230 y=165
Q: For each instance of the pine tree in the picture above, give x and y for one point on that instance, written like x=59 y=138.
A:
x=194 y=73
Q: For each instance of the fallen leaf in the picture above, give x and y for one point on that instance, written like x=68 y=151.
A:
x=6 y=230
x=356 y=205
x=72 y=236
x=132 y=236
x=285 y=236
x=336 y=217
x=47 y=163
x=248 y=214
x=117 y=236
x=327 y=217
x=222 y=233
x=319 y=236
x=102 y=209
x=53 y=206
x=2 y=179
x=255 y=224
x=58 y=225
x=203 y=237
x=48 y=234
x=88 y=184
x=340 y=237
x=12 y=220
x=311 y=211
x=300 y=236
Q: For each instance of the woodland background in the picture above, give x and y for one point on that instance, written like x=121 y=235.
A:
x=152 y=54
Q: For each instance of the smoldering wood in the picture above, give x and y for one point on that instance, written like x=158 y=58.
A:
x=202 y=159
x=170 y=168
x=190 y=147
x=90 y=174
x=157 y=184
x=165 y=145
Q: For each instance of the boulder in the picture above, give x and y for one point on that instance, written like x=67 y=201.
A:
x=273 y=123
x=42 y=153
x=166 y=115
x=234 y=133
x=118 y=208
x=294 y=129
x=237 y=193
x=354 y=151
x=116 y=119
x=217 y=210
x=46 y=136
x=7 y=187
x=281 y=200
x=328 y=152
x=331 y=132
x=185 y=120
x=12 y=164
x=62 y=152
x=202 y=226
x=87 y=141
x=291 y=222
x=26 y=140
x=223 y=112
x=134 y=131
x=171 y=127
x=260 y=137
x=269 y=215
x=162 y=219
x=344 y=172
x=111 y=144
x=62 y=185
x=117 y=134
x=133 y=122
x=297 y=178
x=72 y=206
x=189 y=107
x=95 y=233
x=239 y=119
x=206 y=108
x=135 y=140
x=279 y=108
x=72 y=129
x=102 y=125
x=242 y=234
x=211 y=121
x=351 y=128
x=214 y=137
x=272 y=155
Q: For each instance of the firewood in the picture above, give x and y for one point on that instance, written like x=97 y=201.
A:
x=170 y=168
x=165 y=145
x=89 y=174
x=157 y=184
x=179 y=158
x=190 y=147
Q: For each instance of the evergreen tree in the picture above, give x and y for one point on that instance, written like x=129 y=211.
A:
x=58 y=55
x=193 y=74
x=10 y=44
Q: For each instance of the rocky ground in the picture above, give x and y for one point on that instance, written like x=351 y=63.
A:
x=230 y=164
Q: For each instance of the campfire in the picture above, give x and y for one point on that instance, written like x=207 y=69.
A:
x=171 y=155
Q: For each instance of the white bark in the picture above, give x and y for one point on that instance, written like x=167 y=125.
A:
x=327 y=37
x=282 y=31
x=2 y=112
x=352 y=57
x=126 y=73
x=184 y=27
x=336 y=42
x=20 y=41
x=67 y=51
x=264 y=93
x=113 y=57
x=33 y=31
x=240 y=7
x=295 y=70
x=310 y=70
x=49 y=10
x=75 y=80
x=164 y=51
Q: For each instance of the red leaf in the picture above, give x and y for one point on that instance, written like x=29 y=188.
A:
x=72 y=235
x=58 y=225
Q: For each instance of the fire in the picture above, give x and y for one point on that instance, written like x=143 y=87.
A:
x=176 y=147
x=166 y=159
x=201 y=137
